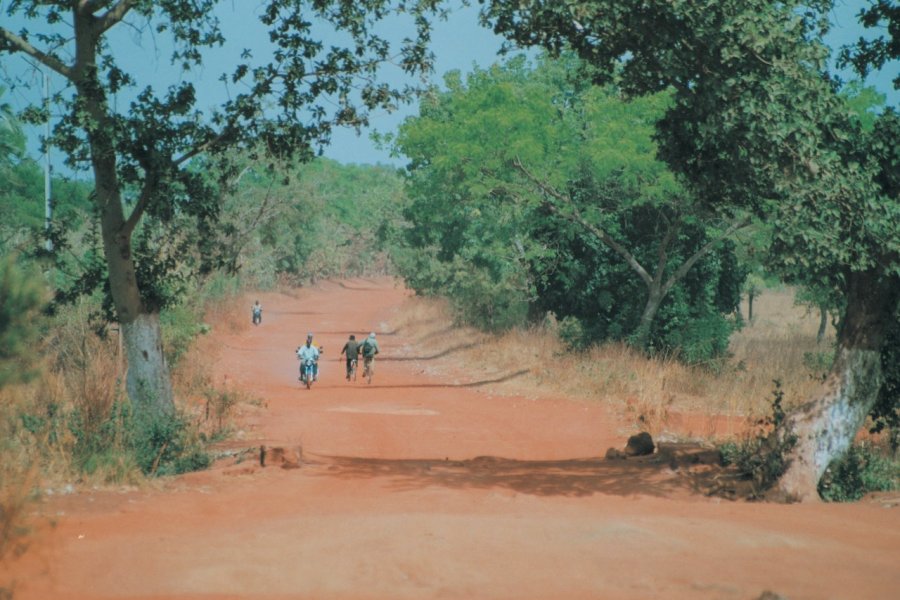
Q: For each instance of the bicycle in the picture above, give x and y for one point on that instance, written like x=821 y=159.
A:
x=354 y=365
x=368 y=368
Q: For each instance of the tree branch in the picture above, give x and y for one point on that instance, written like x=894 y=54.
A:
x=576 y=217
x=17 y=44
x=147 y=191
x=686 y=265
x=201 y=148
x=662 y=254
x=113 y=15
x=92 y=6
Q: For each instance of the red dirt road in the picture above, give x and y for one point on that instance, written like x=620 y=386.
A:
x=421 y=487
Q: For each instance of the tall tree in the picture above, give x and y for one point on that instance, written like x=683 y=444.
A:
x=140 y=151
x=540 y=156
x=757 y=122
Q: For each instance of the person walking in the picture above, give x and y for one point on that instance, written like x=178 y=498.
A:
x=257 y=313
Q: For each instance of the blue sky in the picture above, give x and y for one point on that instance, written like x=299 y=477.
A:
x=458 y=43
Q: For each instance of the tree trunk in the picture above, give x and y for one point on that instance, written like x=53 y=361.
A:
x=750 y=296
x=148 y=383
x=641 y=336
x=825 y=426
x=823 y=325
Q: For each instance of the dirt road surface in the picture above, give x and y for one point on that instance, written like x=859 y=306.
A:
x=421 y=486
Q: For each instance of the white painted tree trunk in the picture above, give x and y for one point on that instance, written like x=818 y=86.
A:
x=148 y=382
x=825 y=427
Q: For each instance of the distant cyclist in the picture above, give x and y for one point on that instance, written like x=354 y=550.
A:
x=308 y=351
x=369 y=350
x=351 y=349
x=257 y=313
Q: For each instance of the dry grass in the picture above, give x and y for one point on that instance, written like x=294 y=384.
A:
x=19 y=466
x=645 y=393
x=230 y=313
x=210 y=405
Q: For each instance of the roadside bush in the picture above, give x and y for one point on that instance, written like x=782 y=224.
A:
x=572 y=333
x=860 y=471
x=167 y=445
x=22 y=299
x=760 y=457
x=818 y=363
x=79 y=422
x=219 y=405
x=700 y=341
x=180 y=325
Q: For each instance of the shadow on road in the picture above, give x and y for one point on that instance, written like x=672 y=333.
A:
x=442 y=353
x=445 y=385
x=673 y=470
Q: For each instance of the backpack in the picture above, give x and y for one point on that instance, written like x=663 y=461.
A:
x=368 y=349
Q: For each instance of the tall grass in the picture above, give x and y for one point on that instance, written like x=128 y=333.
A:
x=648 y=392
x=74 y=422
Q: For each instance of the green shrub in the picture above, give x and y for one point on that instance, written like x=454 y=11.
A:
x=118 y=446
x=180 y=325
x=166 y=445
x=701 y=340
x=572 y=333
x=760 y=457
x=819 y=363
x=23 y=296
x=860 y=471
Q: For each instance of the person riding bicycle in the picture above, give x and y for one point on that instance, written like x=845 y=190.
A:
x=369 y=349
x=257 y=313
x=306 y=352
x=351 y=349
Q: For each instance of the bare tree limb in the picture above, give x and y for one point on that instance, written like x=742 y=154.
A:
x=113 y=15
x=147 y=191
x=92 y=6
x=201 y=148
x=576 y=217
x=17 y=44
x=686 y=265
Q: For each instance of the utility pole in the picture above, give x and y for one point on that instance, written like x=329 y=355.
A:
x=48 y=203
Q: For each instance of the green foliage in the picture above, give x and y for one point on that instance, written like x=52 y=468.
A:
x=181 y=324
x=873 y=52
x=168 y=162
x=165 y=445
x=756 y=122
x=119 y=442
x=818 y=363
x=761 y=456
x=572 y=333
x=886 y=412
x=162 y=161
x=327 y=220
x=543 y=194
x=23 y=296
x=698 y=340
x=860 y=471
x=752 y=122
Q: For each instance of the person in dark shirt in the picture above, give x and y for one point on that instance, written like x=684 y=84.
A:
x=351 y=349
